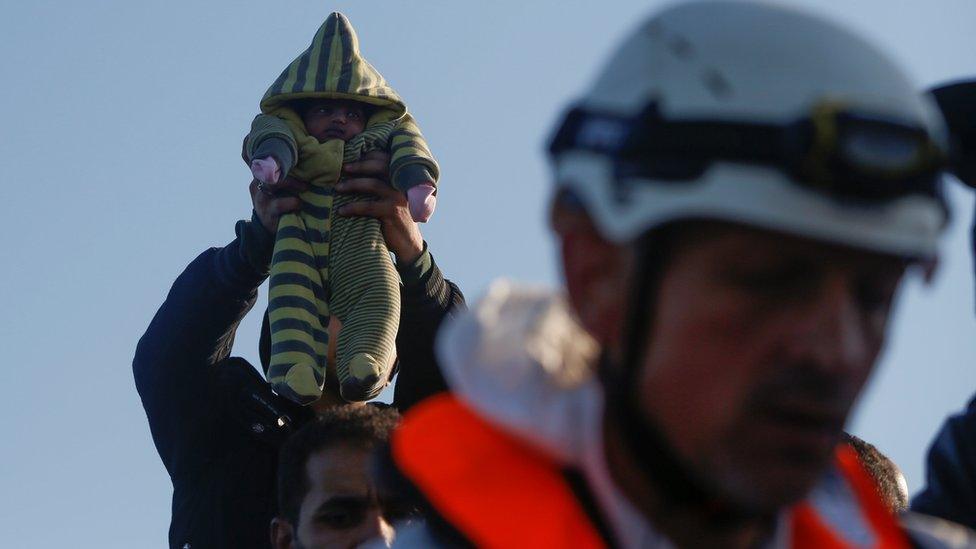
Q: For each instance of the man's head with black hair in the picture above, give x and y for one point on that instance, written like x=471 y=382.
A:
x=957 y=101
x=886 y=475
x=327 y=495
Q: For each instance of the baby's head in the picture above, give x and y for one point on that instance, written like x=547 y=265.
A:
x=333 y=118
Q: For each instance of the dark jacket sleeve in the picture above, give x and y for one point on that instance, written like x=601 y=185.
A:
x=192 y=331
x=950 y=490
x=428 y=298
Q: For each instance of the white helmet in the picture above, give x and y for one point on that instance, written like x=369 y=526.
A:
x=760 y=115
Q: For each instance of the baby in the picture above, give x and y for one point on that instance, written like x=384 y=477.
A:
x=330 y=107
x=343 y=119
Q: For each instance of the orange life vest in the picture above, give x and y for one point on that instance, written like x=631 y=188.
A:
x=497 y=491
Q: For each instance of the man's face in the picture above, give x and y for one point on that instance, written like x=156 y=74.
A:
x=334 y=119
x=341 y=507
x=758 y=347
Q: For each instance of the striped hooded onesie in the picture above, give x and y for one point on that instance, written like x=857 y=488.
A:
x=324 y=264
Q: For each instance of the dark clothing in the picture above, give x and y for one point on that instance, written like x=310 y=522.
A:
x=950 y=491
x=214 y=420
x=950 y=476
x=424 y=305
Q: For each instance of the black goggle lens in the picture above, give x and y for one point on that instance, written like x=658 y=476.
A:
x=846 y=154
x=872 y=149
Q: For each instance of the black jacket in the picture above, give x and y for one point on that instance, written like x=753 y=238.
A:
x=214 y=420
x=950 y=475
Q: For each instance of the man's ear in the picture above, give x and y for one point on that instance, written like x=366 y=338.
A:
x=282 y=533
x=595 y=271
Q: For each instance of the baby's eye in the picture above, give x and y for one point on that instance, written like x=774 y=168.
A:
x=354 y=115
x=323 y=110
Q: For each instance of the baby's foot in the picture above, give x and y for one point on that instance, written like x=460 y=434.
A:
x=422 y=201
x=265 y=169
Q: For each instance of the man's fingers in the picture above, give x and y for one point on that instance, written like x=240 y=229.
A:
x=283 y=205
x=274 y=199
x=259 y=198
x=375 y=166
x=378 y=155
x=364 y=209
x=287 y=185
x=366 y=185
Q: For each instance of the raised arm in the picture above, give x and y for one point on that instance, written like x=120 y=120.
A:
x=428 y=298
x=194 y=329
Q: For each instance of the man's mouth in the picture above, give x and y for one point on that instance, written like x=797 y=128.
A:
x=805 y=424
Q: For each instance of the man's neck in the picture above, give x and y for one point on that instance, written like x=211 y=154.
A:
x=684 y=524
x=330 y=400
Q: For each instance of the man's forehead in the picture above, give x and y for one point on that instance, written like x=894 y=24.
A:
x=746 y=241
x=339 y=470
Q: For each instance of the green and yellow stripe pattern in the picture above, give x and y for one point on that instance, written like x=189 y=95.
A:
x=323 y=264
x=332 y=67
x=326 y=265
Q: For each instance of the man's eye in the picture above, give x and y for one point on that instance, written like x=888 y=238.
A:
x=773 y=279
x=341 y=518
x=874 y=296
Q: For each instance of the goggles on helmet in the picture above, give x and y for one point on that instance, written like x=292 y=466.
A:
x=841 y=152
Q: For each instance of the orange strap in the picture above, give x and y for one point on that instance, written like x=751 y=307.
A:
x=499 y=492
x=810 y=531
x=491 y=487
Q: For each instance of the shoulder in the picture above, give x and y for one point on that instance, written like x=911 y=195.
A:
x=928 y=532
x=249 y=405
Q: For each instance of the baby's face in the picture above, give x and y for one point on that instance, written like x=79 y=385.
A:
x=334 y=119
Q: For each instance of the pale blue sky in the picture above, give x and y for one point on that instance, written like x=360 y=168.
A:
x=122 y=124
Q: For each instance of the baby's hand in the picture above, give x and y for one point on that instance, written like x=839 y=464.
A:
x=265 y=169
x=422 y=201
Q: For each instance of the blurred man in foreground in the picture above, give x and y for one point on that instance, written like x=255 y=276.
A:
x=738 y=198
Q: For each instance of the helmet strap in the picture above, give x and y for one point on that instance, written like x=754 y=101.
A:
x=677 y=485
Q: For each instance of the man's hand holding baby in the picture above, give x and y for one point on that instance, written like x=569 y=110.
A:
x=371 y=176
x=273 y=200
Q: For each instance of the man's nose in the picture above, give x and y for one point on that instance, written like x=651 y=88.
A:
x=376 y=527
